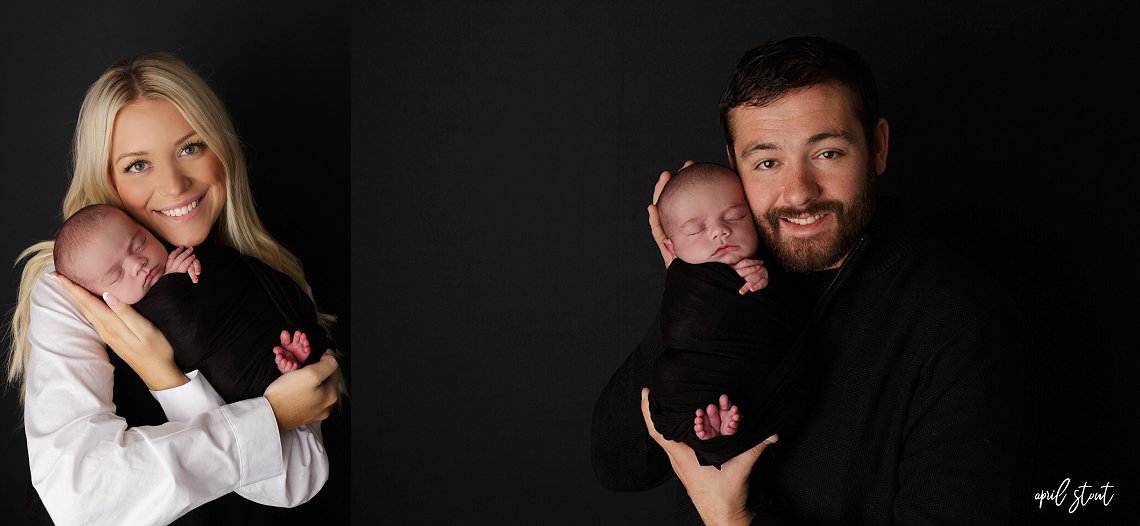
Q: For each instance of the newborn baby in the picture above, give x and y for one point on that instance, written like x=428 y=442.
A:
x=215 y=325
x=721 y=347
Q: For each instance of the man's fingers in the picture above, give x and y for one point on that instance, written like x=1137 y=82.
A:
x=675 y=450
x=661 y=180
x=687 y=164
x=742 y=464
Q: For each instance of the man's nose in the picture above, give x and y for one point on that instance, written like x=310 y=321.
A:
x=801 y=186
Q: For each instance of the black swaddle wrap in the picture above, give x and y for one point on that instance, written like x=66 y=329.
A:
x=227 y=324
x=718 y=341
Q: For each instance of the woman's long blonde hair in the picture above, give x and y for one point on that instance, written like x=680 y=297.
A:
x=156 y=76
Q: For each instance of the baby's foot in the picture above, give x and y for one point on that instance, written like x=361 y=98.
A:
x=717 y=421
x=292 y=352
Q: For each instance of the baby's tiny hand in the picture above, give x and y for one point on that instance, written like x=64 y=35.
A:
x=754 y=273
x=181 y=259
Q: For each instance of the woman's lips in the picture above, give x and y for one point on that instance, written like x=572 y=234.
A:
x=195 y=203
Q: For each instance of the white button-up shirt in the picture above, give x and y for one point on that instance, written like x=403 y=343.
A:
x=90 y=468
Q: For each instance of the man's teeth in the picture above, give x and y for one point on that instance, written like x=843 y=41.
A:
x=804 y=220
x=178 y=212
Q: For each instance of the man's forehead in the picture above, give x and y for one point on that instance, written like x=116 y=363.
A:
x=822 y=108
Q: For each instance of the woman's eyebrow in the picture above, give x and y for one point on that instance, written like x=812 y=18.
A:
x=184 y=137
x=141 y=153
x=130 y=154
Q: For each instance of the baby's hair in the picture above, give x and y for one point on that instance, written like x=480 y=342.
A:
x=77 y=231
x=692 y=175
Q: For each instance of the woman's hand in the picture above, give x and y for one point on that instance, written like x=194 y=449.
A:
x=655 y=218
x=304 y=396
x=134 y=338
x=720 y=496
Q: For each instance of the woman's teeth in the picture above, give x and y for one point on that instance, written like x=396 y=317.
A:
x=179 y=212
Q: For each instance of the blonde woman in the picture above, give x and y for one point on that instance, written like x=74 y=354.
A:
x=153 y=140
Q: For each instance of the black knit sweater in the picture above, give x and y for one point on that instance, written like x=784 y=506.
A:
x=915 y=420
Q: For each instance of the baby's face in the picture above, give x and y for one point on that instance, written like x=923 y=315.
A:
x=711 y=221
x=124 y=259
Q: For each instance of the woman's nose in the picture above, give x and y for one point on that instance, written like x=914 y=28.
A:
x=172 y=182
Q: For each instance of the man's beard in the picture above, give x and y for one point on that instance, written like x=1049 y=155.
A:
x=823 y=250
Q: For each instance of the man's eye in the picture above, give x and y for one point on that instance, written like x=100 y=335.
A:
x=829 y=154
x=136 y=167
x=766 y=164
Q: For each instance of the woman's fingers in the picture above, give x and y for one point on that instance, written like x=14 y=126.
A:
x=101 y=317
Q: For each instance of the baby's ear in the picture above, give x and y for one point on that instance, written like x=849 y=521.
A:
x=669 y=246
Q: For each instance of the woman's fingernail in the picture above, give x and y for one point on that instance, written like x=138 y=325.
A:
x=110 y=299
x=53 y=276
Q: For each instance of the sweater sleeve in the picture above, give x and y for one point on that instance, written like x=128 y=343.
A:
x=625 y=458
x=90 y=468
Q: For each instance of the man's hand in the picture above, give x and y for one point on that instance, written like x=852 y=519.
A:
x=754 y=273
x=181 y=259
x=721 y=496
x=655 y=217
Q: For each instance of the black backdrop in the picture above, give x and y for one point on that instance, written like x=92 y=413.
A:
x=283 y=74
x=502 y=154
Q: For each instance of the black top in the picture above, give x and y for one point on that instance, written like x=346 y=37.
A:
x=916 y=416
x=227 y=324
x=720 y=341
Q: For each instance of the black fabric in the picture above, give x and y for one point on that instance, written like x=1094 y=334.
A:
x=720 y=341
x=227 y=324
x=916 y=419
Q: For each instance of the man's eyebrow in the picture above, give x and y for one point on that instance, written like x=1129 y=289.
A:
x=837 y=134
x=756 y=147
x=141 y=153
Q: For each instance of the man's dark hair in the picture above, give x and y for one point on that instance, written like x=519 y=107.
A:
x=777 y=68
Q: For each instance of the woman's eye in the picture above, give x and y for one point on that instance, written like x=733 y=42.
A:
x=191 y=149
x=136 y=167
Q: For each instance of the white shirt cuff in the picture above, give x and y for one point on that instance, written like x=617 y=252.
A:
x=189 y=399
x=259 y=441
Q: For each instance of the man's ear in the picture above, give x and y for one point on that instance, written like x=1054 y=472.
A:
x=728 y=153
x=669 y=246
x=881 y=145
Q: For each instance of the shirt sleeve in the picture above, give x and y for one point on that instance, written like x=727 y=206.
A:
x=624 y=456
x=302 y=449
x=90 y=468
